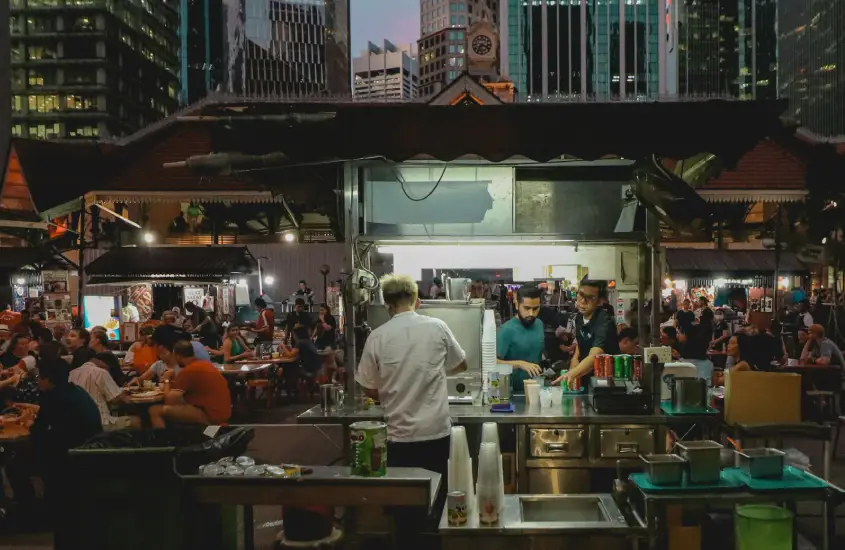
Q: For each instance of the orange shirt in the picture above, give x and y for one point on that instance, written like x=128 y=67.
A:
x=10 y=319
x=205 y=387
x=145 y=356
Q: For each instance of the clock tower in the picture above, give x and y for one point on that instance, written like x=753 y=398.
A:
x=483 y=50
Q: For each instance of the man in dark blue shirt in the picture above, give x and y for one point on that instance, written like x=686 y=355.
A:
x=67 y=417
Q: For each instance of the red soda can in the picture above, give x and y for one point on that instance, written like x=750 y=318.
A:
x=638 y=367
x=575 y=385
x=598 y=366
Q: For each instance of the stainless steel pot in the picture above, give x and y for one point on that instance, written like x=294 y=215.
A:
x=689 y=393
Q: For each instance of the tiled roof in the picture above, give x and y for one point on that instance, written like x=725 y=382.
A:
x=768 y=165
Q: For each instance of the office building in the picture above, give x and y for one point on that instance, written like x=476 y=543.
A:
x=585 y=48
x=811 y=50
x=287 y=47
x=727 y=48
x=443 y=33
x=386 y=73
x=92 y=68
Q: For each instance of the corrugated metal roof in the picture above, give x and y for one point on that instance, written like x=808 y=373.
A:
x=726 y=262
x=182 y=262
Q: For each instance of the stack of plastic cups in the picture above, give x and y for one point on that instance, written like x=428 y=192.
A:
x=488 y=347
x=490 y=434
x=488 y=487
x=460 y=467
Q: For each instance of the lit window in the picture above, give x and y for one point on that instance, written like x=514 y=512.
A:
x=35 y=79
x=80 y=102
x=44 y=131
x=17 y=103
x=43 y=103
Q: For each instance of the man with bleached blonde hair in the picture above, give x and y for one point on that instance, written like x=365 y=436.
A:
x=405 y=364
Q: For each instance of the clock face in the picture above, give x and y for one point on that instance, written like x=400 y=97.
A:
x=482 y=44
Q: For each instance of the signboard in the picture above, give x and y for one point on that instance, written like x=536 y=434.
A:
x=193 y=294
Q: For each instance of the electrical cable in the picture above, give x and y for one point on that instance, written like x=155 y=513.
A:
x=405 y=191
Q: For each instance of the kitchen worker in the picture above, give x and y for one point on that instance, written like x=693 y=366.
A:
x=521 y=340
x=595 y=331
x=404 y=364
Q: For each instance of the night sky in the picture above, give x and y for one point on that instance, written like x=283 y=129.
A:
x=375 y=20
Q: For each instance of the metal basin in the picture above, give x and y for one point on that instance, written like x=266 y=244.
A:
x=569 y=509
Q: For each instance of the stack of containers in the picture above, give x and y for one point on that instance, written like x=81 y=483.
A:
x=460 y=467
x=490 y=435
x=488 y=487
x=488 y=347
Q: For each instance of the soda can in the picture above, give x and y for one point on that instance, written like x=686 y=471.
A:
x=618 y=367
x=627 y=367
x=563 y=383
x=456 y=508
x=600 y=366
x=576 y=407
x=608 y=367
x=575 y=385
x=638 y=367
x=368 y=442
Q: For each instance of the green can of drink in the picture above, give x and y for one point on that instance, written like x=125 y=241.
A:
x=618 y=366
x=368 y=445
x=628 y=367
x=563 y=383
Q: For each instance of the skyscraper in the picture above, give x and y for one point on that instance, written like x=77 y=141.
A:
x=811 y=70
x=727 y=48
x=585 y=48
x=443 y=30
x=91 y=68
x=284 y=47
x=205 y=40
x=386 y=73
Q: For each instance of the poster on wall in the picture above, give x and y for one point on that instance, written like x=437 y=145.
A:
x=192 y=294
x=101 y=311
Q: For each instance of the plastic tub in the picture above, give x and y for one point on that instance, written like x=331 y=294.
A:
x=763 y=526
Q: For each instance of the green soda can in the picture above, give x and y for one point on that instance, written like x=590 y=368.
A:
x=628 y=367
x=563 y=383
x=618 y=366
x=368 y=443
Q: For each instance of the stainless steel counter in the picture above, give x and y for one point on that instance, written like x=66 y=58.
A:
x=547 y=522
x=575 y=410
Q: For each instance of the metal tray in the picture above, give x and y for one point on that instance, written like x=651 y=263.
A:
x=662 y=469
x=762 y=463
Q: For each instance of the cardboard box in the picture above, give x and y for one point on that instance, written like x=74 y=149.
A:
x=685 y=538
x=753 y=397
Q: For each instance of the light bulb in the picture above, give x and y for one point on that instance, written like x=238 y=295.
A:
x=149 y=237
x=289 y=237
x=269 y=280
x=20 y=281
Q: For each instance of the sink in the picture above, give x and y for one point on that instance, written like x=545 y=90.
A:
x=563 y=509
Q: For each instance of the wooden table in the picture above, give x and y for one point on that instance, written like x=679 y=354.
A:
x=276 y=361
x=13 y=432
x=150 y=400
x=244 y=368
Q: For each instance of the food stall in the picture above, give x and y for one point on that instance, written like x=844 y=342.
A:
x=136 y=284
x=507 y=187
x=738 y=279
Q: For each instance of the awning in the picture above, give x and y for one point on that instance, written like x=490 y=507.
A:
x=202 y=197
x=212 y=264
x=39 y=258
x=724 y=263
x=777 y=196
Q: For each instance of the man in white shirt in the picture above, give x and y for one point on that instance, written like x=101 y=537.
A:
x=405 y=363
x=98 y=383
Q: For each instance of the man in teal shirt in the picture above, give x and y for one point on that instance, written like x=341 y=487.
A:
x=520 y=341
